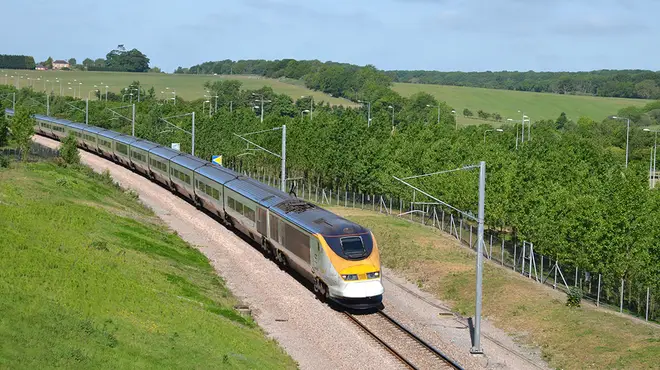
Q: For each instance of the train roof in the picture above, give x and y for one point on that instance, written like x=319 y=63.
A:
x=93 y=129
x=163 y=152
x=261 y=193
x=60 y=121
x=143 y=144
x=218 y=174
x=126 y=139
x=109 y=134
x=188 y=161
x=76 y=126
x=317 y=219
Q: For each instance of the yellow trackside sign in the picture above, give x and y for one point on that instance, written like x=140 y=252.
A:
x=217 y=159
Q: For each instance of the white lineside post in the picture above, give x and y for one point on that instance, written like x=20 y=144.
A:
x=87 y=111
x=133 y=122
x=283 y=182
x=47 y=104
x=193 y=133
x=476 y=347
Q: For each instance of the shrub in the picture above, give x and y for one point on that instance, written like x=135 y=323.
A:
x=574 y=297
x=4 y=162
x=69 y=150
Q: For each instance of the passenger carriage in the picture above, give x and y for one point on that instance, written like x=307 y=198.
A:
x=182 y=168
x=247 y=202
x=139 y=154
x=159 y=164
x=90 y=138
x=209 y=187
x=105 y=144
x=120 y=149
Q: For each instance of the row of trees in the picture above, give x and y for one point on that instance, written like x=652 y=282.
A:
x=567 y=189
x=614 y=83
x=483 y=115
x=16 y=61
x=337 y=79
x=352 y=81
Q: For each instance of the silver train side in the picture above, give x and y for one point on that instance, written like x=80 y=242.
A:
x=339 y=257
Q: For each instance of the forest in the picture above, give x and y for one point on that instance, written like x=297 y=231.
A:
x=347 y=80
x=567 y=188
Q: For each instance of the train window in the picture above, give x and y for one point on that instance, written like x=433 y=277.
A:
x=297 y=242
x=216 y=194
x=249 y=213
x=239 y=207
x=231 y=203
x=353 y=247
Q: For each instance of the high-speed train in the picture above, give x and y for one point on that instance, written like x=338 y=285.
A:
x=339 y=257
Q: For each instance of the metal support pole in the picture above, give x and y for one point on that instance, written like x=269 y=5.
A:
x=13 y=102
x=193 y=133
x=47 y=105
x=133 y=121
x=476 y=348
x=648 y=295
x=283 y=182
x=621 y=304
x=502 y=260
x=576 y=276
x=598 y=293
x=627 y=140
x=87 y=111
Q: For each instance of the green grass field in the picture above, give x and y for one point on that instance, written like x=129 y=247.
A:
x=535 y=105
x=91 y=279
x=569 y=338
x=186 y=86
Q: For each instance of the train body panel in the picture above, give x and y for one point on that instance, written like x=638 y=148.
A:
x=90 y=138
x=159 y=163
x=105 y=143
x=139 y=154
x=182 y=169
x=209 y=187
x=120 y=148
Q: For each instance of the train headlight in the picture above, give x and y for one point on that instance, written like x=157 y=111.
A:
x=349 y=277
x=373 y=275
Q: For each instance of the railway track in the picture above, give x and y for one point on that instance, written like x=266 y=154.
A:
x=411 y=350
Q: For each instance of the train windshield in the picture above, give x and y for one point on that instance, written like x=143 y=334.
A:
x=353 y=247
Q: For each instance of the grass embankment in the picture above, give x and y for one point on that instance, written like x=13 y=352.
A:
x=535 y=105
x=188 y=87
x=569 y=338
x=92 y=279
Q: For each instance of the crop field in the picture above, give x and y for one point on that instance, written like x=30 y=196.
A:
x=92 y=279
x=188 y=87
x=507 y=103
x=569 y=338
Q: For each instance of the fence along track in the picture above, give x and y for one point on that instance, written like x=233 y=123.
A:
x=429 y=356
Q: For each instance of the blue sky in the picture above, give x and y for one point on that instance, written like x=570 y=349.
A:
x=466 y=35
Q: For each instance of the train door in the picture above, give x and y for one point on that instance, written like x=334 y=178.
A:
x=315 y=251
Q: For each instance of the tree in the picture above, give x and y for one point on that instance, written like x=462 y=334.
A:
x=155 y=70
x=72 y=62
x=130 y=61
x=497 y=117
x=99 y=63
x=561 y=121
x=3 y=127
x=69 y=150
x=88 y=63
x=22 y=129
x=48 y=63
x=467 y=113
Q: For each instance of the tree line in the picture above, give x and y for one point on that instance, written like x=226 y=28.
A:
x=17 y=61
x=350 y=81
x=119 y=60
x=337 y=79
x=607 y=83
x=567 y=189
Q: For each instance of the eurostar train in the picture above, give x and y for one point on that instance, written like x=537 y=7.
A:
x=339 y=257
